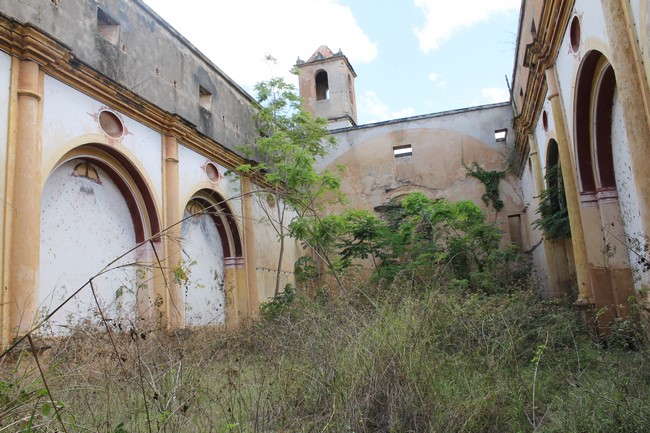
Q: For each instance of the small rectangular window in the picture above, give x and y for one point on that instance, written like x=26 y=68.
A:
x=107 y=27
x=400 y=151
x=205 y=98
x=500 y=134
x=514 y=224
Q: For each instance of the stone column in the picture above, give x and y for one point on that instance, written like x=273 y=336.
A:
x=634 y=94
x=26 y=206
x=173 y=304
x=250 y=301
x=585 y=296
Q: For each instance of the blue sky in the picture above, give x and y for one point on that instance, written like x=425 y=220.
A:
x=411 y=56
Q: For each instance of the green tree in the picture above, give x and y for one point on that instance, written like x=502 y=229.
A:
x=289 y=143
x=421 y=234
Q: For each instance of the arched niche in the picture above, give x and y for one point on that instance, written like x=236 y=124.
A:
x=96 y=208
x=604 y=227
x=210 y=243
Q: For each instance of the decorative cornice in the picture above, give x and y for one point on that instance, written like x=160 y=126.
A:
x=26 y=42
x=540 y=55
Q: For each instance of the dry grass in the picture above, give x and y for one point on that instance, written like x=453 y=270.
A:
x=398 y=359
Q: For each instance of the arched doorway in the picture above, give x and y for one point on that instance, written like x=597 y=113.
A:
x=95 y=208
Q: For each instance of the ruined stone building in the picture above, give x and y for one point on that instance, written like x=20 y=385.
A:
x=113 y=127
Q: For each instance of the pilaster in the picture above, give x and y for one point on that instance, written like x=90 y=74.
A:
x=171 y=302
x=249 y=302
x=24 y=225
x=585 y=296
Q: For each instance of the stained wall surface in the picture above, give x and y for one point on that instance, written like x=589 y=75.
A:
x=442 y=147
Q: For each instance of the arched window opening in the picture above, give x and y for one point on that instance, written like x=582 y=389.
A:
x=322 y=86
x=553 y=214
x=583 y=121
x=211 y=203
x=554 y=181
x=603 y=127
x=350 y=90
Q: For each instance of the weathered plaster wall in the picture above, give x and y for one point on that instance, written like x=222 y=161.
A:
x=204 y=292
x=533 y=236
x=477 y=122
x=267 y=248
x=149 y=58
x=374 y=175
x=193 y=177
x=70 y=119
x=5 y=76
x=627 y=196
x=84 y=226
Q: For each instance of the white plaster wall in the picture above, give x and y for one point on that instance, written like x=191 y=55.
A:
x=192 y=176
x=542 y=136
x=69 y=116
x=627 y=194
x=204 y=293
x=84 y=226
x=5 y=76
x=635 y=6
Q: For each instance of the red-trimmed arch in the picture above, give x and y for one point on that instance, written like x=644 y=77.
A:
x=217 y=207
x=129 y=181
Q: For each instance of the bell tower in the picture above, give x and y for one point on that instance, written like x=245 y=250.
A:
x=326 y=85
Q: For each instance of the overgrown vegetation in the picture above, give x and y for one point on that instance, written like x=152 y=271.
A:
x=443 y=336
x=553 y=213
x=400 y=357
x=491 y=180
x=421 y=236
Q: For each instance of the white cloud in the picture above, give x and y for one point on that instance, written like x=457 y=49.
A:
x=444 y=18
x=237 y=35
x=433 y=77
x=495 y=94
x=376 y=111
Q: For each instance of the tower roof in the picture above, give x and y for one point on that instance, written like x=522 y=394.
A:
x=324 y=53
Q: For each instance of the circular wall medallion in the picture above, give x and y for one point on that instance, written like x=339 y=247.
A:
x=111 y=124
x=575 y=34
x=212 y=172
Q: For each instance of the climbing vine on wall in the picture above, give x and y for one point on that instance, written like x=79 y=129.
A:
x=491 y=180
